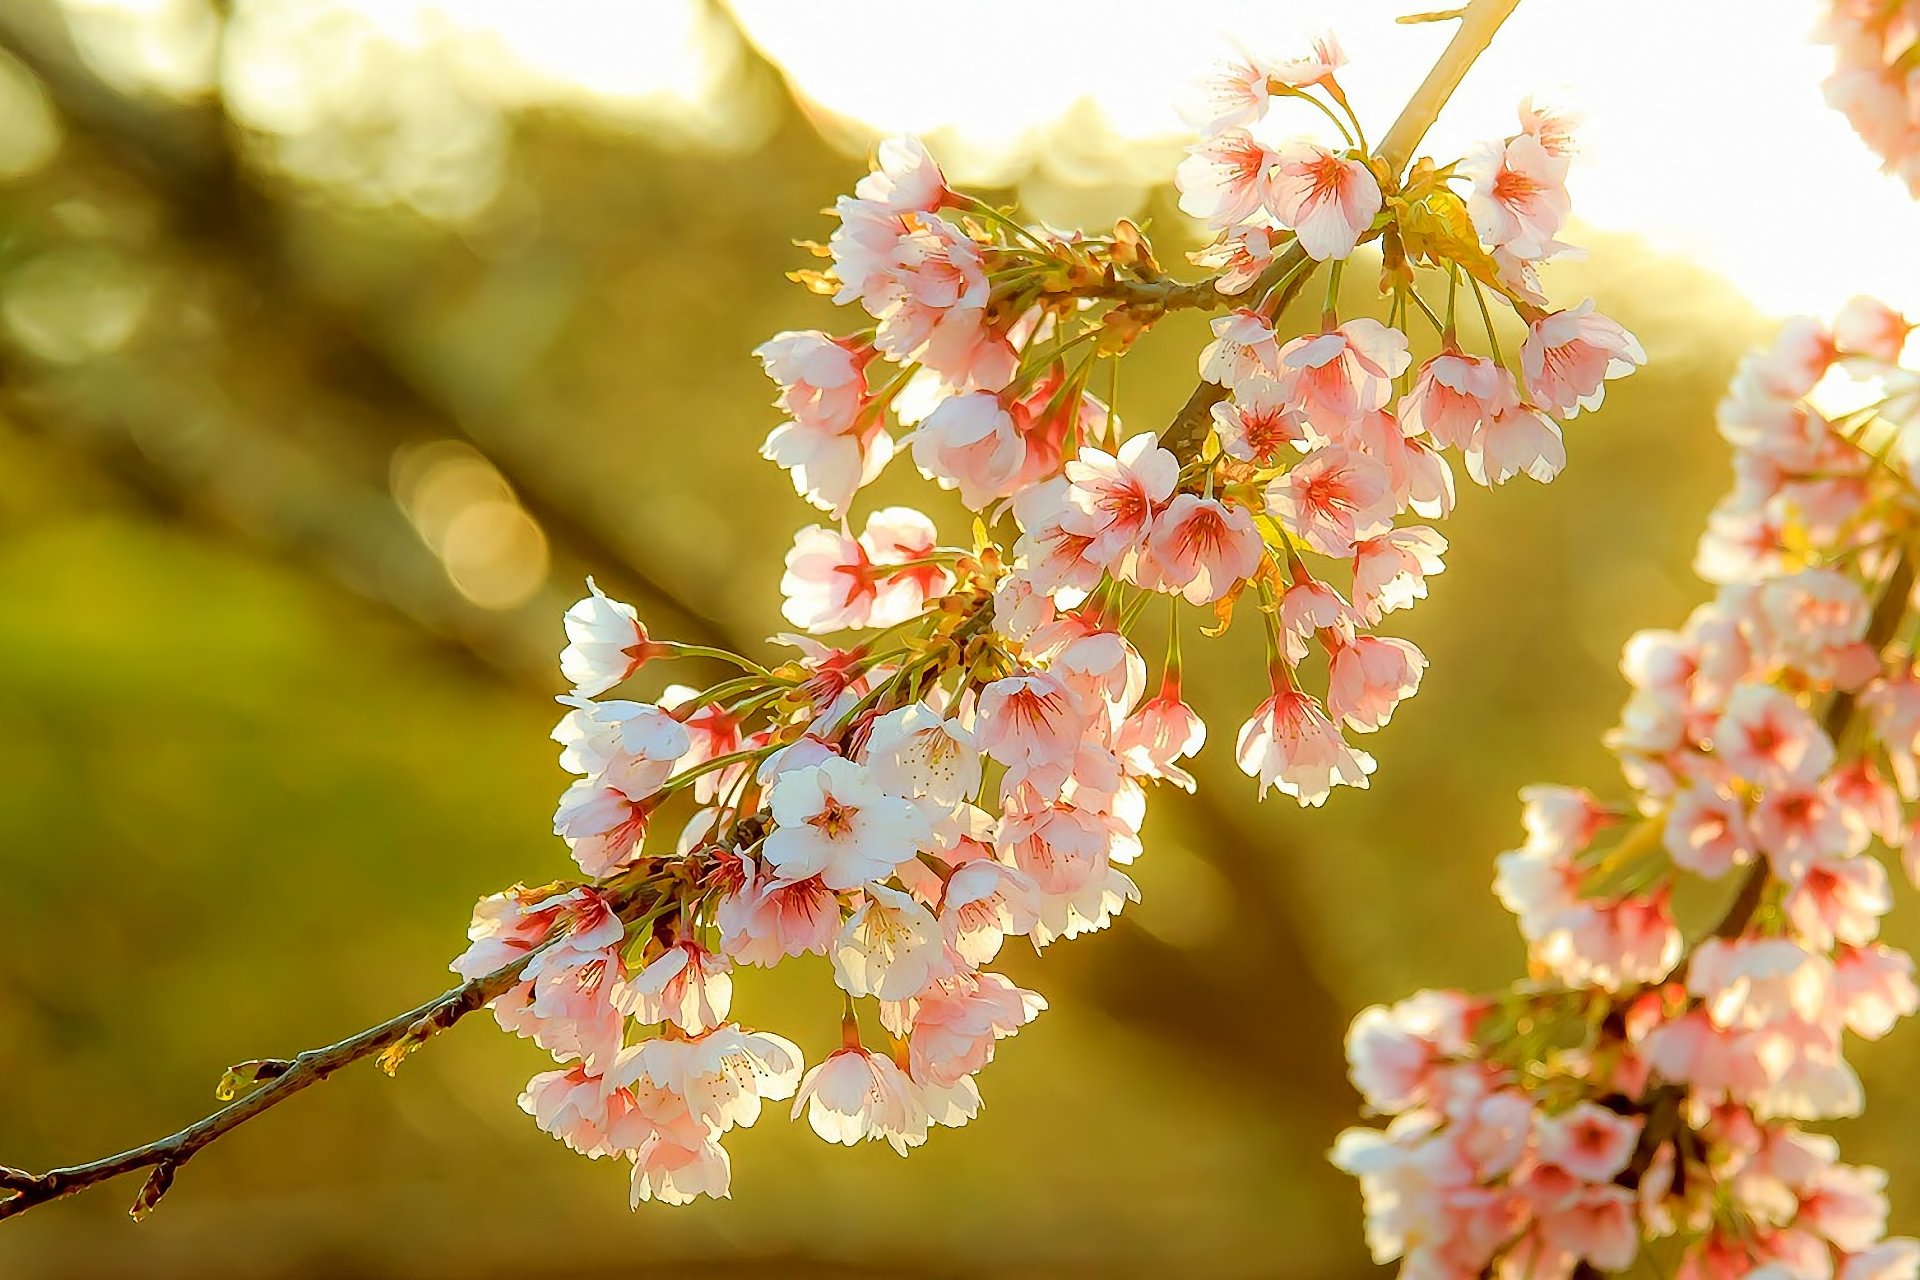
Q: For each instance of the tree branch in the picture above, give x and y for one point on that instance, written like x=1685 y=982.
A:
x=1478 y=23
x=285 y=1077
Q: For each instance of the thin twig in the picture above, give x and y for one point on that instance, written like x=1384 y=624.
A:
x=287 y=1077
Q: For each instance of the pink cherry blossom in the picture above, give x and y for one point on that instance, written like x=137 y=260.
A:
x=1332 y=499
x=1569 y=356
x=1767 y=738
x=1232 y=96
x=1513 y=441
x=1587 y=1141
x=1202 y=548
x=1117 y=495
x=1290 y=744
x=1706 y=833
x=1390 y=571
x=957 y=1021
x=1549 y=124
x=1869 y=327
x=1598 y=1227
x=1240 y=256
x=1519 y=195
x=602 y=825
x=686 y=985
x=985 y=903
x=833 y=821
x=1258 y=425
x=971 y=443
x=1243 y=348
x=1054 y=551
x=674 y=1172
x=574 y=1107
x=1226 y=177
x=1161 y=733
x=1832 y=897
x=855 y=1095
x=1453 y=394
x=1329 y=201
x=1315 y=65
x=605 y=643
x=769 y=919
x=830 y=584
x=1369 y=676
x=890 y=947
x=905 y=178
x=1335 y=378
x=1030 y=722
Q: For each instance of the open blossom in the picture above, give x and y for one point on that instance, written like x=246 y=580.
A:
x=833 y=821
x=905 y=178
x=1226 y=177
x=970 y=443
x=1117 y=495
x=1162 y=732
x=686 y=985
x=1452 y=395
x=1516 y=440
x=1767 y=738
x=1569 y=356
x=855 y=1095
x=1390 y=571
x=602 y=824
x=1243 y=348
x=1238 y=257
x=822 y=379
x=1328 y=200
x=915 y=751
x=1519 y=195
x=956 y=1022
x=1369 y=677
x=1332 y=499
x=1290 y=744
x=1052 y=547
x=1337 y=378
x=834 y=581
x=890 y=947
x=833 y=444
x=631 y=747
x=1258 y=424
x=1232 y=96
x=605 y=643
x=1203 y=547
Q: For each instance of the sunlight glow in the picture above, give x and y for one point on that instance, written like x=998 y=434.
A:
x=1707 y=133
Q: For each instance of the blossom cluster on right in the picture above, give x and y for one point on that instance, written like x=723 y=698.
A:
x=1647 y=1093
x=1876 y=77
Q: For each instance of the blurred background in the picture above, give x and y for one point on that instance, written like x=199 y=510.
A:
x=339 y=341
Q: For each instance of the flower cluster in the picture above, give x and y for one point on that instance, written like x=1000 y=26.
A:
x=1876 y=77
x=957 y=747
x=1642 y=1087
x=1333 y=437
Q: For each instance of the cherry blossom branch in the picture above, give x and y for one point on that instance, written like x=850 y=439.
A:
x=1478 y=23
x=1887 y=615
x=284 y=1077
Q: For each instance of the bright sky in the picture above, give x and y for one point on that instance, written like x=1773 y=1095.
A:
x=1706 y=130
